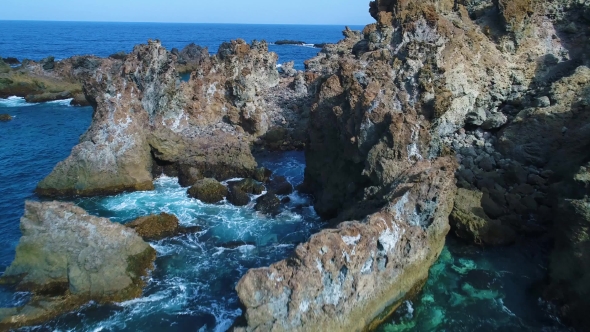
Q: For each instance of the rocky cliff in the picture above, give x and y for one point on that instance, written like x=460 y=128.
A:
x=67 y=258
x=500 y=85
x=145 y=116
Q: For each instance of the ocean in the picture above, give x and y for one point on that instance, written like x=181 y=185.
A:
x=192 y=289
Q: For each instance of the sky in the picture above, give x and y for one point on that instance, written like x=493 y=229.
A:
x=339 y=12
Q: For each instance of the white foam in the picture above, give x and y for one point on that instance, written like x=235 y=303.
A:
x=62 y=102
x=15 y=101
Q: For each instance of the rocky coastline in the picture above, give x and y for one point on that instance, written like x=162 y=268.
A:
x=461 y=117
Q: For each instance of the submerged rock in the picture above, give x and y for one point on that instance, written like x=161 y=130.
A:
x=5 y=117
x=159 y=226
x=208 y=191
x=66 y=258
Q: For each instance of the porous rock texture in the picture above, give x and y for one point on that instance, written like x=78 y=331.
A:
x=66 y=258
x=343 y=279
x=502 y=86
x=143 y=112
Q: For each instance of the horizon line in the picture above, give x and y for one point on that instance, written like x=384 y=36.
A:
x=154 y=22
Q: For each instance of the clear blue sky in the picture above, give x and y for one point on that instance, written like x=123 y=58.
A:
x=341 y=12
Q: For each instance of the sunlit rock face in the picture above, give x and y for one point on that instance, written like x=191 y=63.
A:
x=144 y=113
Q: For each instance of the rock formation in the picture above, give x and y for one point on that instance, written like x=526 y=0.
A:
x=500 y=85
x=5 y=117
x=343 y=279
x=143 y=113
x=67 y=258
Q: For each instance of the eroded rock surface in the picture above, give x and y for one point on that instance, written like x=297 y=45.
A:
x=343 y=279
x=202 y=127
x=66 y=258
x=159 y=226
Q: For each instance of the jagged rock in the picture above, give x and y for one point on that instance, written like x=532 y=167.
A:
x=159 y=226
x=360 y=269
x=268 y=204
x=5 y=117
x=543 y=101
x=470 y=222
x=122 y=55
x=208 y=191
x=152 y=117
x=66 y=258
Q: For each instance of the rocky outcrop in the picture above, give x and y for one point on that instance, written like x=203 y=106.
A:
x=208 y=191
x=350 y=278
x=145 y=115
x=67 y=258
x=159 y=226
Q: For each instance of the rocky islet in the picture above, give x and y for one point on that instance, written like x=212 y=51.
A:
x=490 y=93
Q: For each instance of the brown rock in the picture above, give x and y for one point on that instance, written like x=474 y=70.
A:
x=5 y=117
x=155 y=227
x=208 y=191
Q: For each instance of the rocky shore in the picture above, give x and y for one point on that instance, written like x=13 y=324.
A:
x=469 y=117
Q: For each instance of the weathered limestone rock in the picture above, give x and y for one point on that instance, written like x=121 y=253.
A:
x=208 y=191
x=67 y=258
x=343 y=279
x=470 y=222
x=202 y=128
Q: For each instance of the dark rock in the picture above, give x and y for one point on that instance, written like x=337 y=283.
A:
x=208 y=191
x=280 y=186
x=262 y=174
x=187 y=175
x=268 y=204
x=122 y=55
x=5 y=117
x=236 y=244
x=48 y=96
x=248 y=186
x=48 y=63
x=286 y=200
x=238 y=197
x=289 y=42
x=11 y=61
x=86 y=63
x=320 y=45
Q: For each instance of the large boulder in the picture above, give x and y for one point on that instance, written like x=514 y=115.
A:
x=352 y=277
x=66 y=258
x=208 y=191
x=470 y=222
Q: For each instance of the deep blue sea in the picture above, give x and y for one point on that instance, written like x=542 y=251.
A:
x=192 y=288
